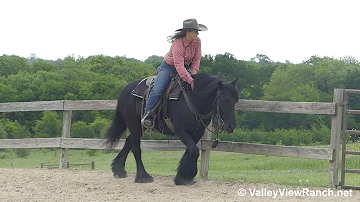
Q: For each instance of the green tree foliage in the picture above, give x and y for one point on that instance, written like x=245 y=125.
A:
x=12 y=129
x=101 y=77
x=154 y=60
x=48 y=126
x=12 y=64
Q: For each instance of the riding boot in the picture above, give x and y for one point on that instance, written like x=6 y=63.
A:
x=147 y=120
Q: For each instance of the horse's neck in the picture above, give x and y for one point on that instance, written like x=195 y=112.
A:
x=204 y=104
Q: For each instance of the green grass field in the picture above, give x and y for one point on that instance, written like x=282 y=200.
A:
x=223 y=166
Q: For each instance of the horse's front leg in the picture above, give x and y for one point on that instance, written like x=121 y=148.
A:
x=187 y=168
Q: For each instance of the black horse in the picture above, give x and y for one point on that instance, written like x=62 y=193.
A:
x=210 y=95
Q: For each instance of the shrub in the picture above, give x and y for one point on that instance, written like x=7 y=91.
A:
x=22 y=153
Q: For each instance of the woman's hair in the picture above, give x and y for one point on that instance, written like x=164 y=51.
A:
x=179 y=34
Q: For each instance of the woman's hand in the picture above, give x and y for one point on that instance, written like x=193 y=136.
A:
x=192 y=85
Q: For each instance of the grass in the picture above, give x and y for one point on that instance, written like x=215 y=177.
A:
x=223 y=166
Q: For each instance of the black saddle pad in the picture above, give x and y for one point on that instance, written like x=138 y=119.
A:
x=143 y=85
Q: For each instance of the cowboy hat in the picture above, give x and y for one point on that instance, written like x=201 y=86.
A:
x=193 y=24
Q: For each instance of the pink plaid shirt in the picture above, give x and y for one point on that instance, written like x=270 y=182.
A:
x=182 y=52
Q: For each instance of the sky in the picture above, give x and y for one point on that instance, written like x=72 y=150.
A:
x=283 y=30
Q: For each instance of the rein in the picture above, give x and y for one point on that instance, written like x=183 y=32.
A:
x=211 y=114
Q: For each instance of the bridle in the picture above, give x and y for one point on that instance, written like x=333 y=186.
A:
x=214 y=113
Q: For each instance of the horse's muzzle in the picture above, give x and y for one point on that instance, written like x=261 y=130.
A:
x=230 y=128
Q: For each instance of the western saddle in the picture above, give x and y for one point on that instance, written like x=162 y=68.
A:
x=159 y=111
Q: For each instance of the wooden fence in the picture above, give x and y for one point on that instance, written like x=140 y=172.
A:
x=65 y=142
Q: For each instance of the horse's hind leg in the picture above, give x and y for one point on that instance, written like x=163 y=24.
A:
x=141 y=175
x=118 y=164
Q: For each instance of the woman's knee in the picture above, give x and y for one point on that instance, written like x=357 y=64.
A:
x=158 y=89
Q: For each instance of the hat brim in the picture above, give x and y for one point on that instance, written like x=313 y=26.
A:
x=201 y=28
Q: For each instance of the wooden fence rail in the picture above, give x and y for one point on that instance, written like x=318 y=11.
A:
x=66 y=142
x=84 y=143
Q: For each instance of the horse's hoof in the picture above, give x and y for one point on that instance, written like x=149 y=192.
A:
x=144 y=179
x=120 y=174
x=179 y=181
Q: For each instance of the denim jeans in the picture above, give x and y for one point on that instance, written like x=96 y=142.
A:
x=162 y=79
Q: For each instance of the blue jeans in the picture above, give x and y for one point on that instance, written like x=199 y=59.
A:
x=162 y=79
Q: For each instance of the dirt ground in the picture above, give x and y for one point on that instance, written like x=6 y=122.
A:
x=79 y=185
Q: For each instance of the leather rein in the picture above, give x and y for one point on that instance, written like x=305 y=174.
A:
x=214 y=113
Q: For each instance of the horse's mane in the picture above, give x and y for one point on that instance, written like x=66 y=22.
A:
x=205 y=84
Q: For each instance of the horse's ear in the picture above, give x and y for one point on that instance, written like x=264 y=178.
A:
x=234 y=81
x=220 y=85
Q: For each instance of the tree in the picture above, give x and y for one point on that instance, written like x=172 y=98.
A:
x=50 y=125
x=154 y=60
x=262 y=59
x=12 y=64
x=13 y=129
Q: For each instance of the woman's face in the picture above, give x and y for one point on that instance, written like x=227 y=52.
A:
x=192 y=34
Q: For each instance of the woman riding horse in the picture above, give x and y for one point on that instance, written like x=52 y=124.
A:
x=185 y=49
x=190 y=114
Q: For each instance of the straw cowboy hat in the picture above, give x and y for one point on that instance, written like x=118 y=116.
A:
x=193 y=24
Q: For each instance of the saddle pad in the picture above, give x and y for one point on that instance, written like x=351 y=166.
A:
x=144 y=84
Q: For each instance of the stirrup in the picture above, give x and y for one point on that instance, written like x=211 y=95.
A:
x=147 y=122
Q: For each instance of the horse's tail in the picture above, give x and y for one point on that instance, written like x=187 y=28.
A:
x=115 y=131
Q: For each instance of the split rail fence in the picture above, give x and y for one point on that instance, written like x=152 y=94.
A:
x=65 y=142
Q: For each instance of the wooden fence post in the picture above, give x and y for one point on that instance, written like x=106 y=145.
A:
x=205 y=155
x=66 y=127
x=336 y=124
